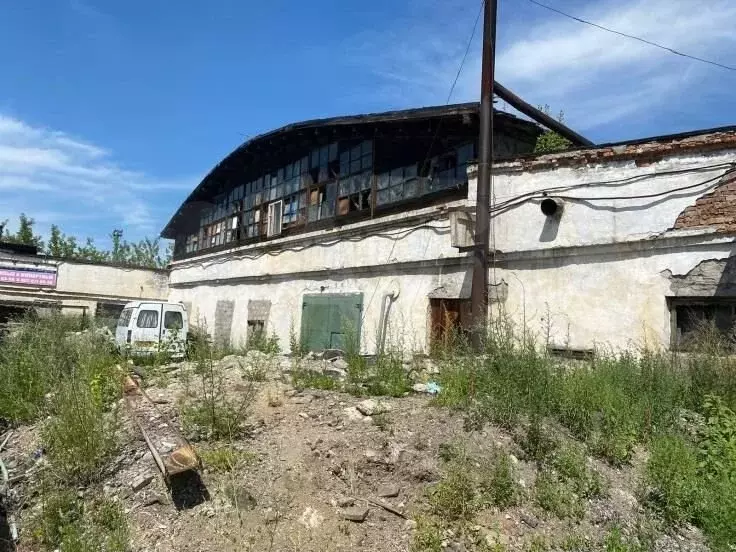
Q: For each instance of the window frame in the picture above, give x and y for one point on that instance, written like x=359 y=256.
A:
x=145 y=311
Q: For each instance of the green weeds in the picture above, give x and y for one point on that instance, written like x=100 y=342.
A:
x=215 y=412
x=499 y=486
x=67 y=522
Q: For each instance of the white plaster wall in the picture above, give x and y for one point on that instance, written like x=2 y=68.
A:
x=408 y=318
x=84 y=285
x=377 y=243
x=595 y=278
x=615 y=299
x=113 y=281
x=587 y=222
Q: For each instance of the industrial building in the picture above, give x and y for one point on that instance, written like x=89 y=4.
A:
x=361 y=226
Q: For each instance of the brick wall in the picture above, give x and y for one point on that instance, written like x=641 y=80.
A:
x=716 y=209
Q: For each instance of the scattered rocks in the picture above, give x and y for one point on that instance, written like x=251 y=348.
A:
x=156 y=499
x=141 y=482
x=357 y=514
x=345 y=502
x=419 y=387
x=311 y=518
x=353 y=414
x=372 y=407
x=529 y=520
x=336 y=371
x=388 y=491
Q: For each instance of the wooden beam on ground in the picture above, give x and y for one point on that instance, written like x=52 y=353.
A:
x=170 y=450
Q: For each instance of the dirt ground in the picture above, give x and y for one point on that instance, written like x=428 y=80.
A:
x=310 y=461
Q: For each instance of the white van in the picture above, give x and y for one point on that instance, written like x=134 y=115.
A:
x=147 y=327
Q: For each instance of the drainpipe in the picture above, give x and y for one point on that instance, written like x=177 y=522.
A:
x=390 y=296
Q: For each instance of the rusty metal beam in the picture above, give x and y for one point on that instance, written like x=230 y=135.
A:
x=539 y=116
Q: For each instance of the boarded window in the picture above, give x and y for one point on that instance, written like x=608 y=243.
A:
x=258 y=312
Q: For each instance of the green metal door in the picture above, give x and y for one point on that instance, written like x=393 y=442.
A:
x=329 y=320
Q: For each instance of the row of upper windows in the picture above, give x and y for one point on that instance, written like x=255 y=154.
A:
x=292 y=197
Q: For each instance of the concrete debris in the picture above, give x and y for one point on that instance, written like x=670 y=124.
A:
x=372 y=407
x=311 y=518
x=353 y=414
x=335 y=372
x=357 y=514
x=332 y=354
x=388 y=491
x=337 y=364
x=141 y=482
x=345 y=502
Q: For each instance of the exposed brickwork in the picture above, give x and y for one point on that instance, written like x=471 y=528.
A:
x=642 y=154
x=716 y=209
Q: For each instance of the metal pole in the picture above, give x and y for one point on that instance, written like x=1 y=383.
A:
x=479 y=292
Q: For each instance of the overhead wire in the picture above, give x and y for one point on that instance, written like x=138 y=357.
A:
x=633 y=37
x=541 y=194
x=617 y=181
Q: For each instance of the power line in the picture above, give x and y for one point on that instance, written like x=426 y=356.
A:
x=467 y=51
x=643 y=40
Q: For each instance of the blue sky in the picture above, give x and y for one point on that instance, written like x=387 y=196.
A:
x=111 y=112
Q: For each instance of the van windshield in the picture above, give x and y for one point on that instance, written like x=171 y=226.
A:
x=125 y=318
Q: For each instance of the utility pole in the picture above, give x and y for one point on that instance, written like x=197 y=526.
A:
x=479 y=291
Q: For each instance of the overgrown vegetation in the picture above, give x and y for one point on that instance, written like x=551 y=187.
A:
x=550 y=141
x=612 y=404
x=214 y=412
x=67 y=522
x=71 y=380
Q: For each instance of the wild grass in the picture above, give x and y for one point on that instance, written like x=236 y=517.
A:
x=67 y=522
x=226 y=459
x=212 y=411
x=612 y=403
x=40 y=353
x=499 y=484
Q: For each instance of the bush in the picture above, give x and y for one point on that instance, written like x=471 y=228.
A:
x=215 y=413
x=427 y=536
x=500 y=487
x=571 y=464
x=40 y=353
x=81 y=435
x=536 y=442
x=453 y=498
x=557 y=496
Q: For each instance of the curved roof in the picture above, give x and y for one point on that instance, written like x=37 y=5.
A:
x=238 y=156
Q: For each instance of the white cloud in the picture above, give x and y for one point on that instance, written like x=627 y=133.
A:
x=58 y=179
x=595 y=76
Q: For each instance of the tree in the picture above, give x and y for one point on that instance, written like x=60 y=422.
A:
x=25 y=234
x=549 y=140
